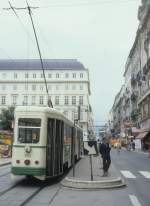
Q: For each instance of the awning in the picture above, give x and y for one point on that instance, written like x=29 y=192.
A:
x=136 y=130
x=142 y=135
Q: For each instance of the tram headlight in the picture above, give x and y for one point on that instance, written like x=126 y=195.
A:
x=27 y=162
x=36 y=162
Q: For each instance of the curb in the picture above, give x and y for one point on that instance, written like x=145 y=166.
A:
x=5 y=163
x=102 y=184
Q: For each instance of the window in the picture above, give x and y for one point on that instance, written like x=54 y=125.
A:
x=14 y=99
x=66 y=113
x=3 y=100
x=41 y=87
x=57 y=75
x=26 y=75
x=66 y=100
x=57 y=100
x=73 y=100
x=33 y=100
x=66 y=75
x=15 y=75
x=26 y=87
x=49 y=75
x=81 y=115
x=49 y=100
x=34 y=75
x=73 y=86
x=33 y=87
x=14 y=87
x=73 y=116
x=57 y=87
x=41 y=100
x=66 y=87
x=3 y=87
x=74 y=75
x=81 y=75
x=49 y=87
x=25 y=100
x=81 y=100
x=81 y=87
x=42 y=75
x=4 y=75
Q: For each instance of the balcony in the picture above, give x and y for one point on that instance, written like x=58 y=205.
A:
x=133 y=80
x=145 y=117
x=134 y=96
x=146 y=68
x=134 y=115
x=145 y=91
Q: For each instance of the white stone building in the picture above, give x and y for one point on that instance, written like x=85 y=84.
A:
x=22 y=83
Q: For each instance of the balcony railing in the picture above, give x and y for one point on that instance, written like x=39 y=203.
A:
x=133 y=80
x=145 y=90
x=146 y=68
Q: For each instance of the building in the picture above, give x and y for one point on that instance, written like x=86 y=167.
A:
x=132 y=108
x=22 y=83
x=144 y=97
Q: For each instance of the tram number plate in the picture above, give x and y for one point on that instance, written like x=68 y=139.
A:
x=27 y=155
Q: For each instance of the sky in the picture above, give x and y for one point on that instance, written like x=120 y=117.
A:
x=99 y=33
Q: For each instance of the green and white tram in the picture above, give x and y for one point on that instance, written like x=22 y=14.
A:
x=43 y=142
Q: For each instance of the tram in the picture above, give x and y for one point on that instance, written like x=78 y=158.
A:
x=45 y=142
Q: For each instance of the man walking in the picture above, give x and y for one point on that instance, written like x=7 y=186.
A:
x=104 y=150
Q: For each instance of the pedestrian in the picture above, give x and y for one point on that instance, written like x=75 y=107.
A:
x=133 y=145
x=104 y=150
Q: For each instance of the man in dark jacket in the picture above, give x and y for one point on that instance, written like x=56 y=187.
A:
x=104 y=150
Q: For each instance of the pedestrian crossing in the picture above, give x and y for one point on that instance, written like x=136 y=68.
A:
x=128 y=174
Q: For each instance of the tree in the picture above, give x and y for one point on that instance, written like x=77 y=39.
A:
x=6 y=118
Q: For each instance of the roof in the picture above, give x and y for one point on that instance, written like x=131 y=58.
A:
x=36 y=110
x=21 y=64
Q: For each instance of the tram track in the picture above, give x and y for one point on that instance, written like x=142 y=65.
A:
x=47 y=183
x=25 y=191
x=25 y=202
x=8 y=189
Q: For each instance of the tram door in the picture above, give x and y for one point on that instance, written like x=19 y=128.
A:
x=54 y=153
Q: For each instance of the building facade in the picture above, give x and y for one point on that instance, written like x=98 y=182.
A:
x=135 y=99
x=22 y=83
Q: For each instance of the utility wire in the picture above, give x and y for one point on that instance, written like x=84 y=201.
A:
x=86 y=3
x=38 y=47
x=78 y=4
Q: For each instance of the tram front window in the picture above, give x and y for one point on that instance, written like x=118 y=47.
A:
x=29 y=130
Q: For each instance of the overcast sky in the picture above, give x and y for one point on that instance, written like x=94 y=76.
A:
x=99 y=33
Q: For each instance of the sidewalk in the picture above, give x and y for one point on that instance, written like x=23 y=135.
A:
x=82 y=179
x=5 y=161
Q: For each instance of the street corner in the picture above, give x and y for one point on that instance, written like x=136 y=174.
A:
x=107 y=183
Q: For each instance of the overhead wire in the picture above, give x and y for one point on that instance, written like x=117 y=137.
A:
x=30 y=14
x=86 y=3
x=70 y=3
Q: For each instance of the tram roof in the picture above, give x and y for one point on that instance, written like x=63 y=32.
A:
x=38 y=109
x=35 y=64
